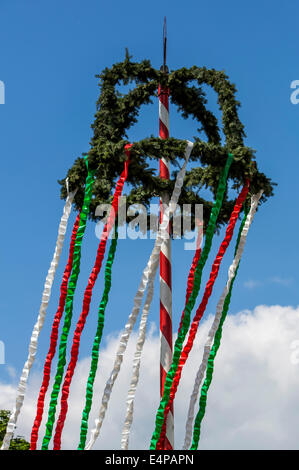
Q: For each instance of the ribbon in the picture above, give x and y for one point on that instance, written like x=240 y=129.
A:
x=53 y=339
x=136 y=363
x=207 y=293
x=147 y=275
x=210 y=366
x=69 y=305
x=190 y=280
x=39 y=323
x=207 y=348
x=86 y=303
x=96 y=343
x=188 y=309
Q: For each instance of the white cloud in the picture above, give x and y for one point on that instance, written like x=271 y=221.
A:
x=281 y=281
x=253 y=400
x=253 y=283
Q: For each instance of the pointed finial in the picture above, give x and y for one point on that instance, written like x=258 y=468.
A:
x=164 y=67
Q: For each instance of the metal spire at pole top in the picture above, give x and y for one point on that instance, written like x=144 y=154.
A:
x=164 y=67
x=165 y=257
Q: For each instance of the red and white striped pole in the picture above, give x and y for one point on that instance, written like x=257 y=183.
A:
x=165 y=261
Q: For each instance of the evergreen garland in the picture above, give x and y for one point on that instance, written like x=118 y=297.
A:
x=117 y=112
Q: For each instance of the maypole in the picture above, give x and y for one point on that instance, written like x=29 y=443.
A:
x=165 y=256
x=98 y=178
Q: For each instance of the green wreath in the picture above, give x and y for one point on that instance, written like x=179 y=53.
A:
x=117 y=112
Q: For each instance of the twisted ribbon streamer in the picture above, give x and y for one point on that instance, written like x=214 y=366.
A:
x=207 y=293
x=190 y=281
x=136 y=362
x=147 y=275
x=188 y=308
x=69 y=305
x=53 y=338
x=86 y=302
x=39 y=323
x=193 y=399
x=96 y=343
x=210 y=366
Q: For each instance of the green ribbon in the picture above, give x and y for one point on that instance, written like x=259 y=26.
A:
x=97 y=341
x=210 y=366
x=191 y=302
x=69 y=307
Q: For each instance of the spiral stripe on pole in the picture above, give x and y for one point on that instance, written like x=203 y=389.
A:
x=165 y=273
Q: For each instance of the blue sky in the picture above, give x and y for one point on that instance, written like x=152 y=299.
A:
x=49 y=55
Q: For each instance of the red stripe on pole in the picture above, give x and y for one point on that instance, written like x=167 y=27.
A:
x=164 y=132
x=163 y=93
x=53 y=338
x=201 y=309
x=163 y=374
x=164 y=171
x=165 y=271
x=86 y=304
x=166 y=325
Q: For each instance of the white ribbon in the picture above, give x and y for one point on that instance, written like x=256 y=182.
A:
x=210 y=340
x=39 y=323
x=136 y=362
x=147 y=277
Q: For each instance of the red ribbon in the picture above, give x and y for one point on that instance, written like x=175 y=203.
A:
x=201 y=309
x=190 y=280
x=86 y=302
x=54 y=337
